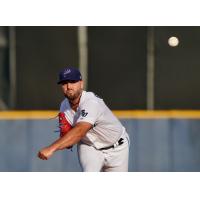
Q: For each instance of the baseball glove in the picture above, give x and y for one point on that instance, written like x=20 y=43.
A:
x=64 y=125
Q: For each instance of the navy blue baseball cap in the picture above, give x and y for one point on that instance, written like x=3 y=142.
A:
x=69 y=74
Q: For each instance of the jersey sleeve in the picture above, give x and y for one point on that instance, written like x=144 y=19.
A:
x=89 y=112
x=62 y=106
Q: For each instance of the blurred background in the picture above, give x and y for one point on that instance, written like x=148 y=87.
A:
x=137 y=70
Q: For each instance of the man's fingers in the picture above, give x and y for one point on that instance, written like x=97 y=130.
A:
x=41 y=156
x=45 y=153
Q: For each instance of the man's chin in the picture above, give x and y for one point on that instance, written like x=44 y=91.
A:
x=70 y=97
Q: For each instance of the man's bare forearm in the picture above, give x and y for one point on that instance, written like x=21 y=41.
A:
x=71 y=138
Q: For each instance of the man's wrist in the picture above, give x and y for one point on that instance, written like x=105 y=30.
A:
x=53 y=148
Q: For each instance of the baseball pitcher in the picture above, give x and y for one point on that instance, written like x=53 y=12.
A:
x=84 y=118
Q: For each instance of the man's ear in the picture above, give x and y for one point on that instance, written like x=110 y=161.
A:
x=82 y=84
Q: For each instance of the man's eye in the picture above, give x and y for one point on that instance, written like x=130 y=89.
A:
x=73 y=81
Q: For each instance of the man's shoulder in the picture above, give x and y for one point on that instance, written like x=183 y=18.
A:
x=91 y=101
x=90 y=97
x=64 y=101
x=64 y=104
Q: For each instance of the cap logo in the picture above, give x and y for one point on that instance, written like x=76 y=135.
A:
x=67 y=71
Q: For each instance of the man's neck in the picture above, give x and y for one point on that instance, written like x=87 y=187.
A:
x=75 y=103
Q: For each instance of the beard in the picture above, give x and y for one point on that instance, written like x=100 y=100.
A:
x=71 y=95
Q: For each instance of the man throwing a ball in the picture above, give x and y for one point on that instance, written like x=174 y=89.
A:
x=103 y=143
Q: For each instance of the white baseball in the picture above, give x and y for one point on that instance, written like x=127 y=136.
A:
x=173 y=41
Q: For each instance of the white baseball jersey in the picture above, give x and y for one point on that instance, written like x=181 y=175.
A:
x=106 y=130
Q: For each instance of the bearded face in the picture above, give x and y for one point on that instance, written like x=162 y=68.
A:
x=72 y=89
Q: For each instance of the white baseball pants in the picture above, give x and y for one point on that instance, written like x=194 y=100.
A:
x=110 y=160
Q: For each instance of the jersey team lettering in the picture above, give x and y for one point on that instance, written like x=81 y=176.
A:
x=83 y=113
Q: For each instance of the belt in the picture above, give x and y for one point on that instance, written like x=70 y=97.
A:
x=119 y=142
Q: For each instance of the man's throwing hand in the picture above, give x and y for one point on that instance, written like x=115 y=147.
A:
x=45 y=153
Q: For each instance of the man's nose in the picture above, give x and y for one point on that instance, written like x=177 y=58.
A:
x=69 y=85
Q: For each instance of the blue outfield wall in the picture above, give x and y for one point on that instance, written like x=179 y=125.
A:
x=156 y=145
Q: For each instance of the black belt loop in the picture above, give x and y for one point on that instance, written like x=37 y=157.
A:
x=120 y=141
